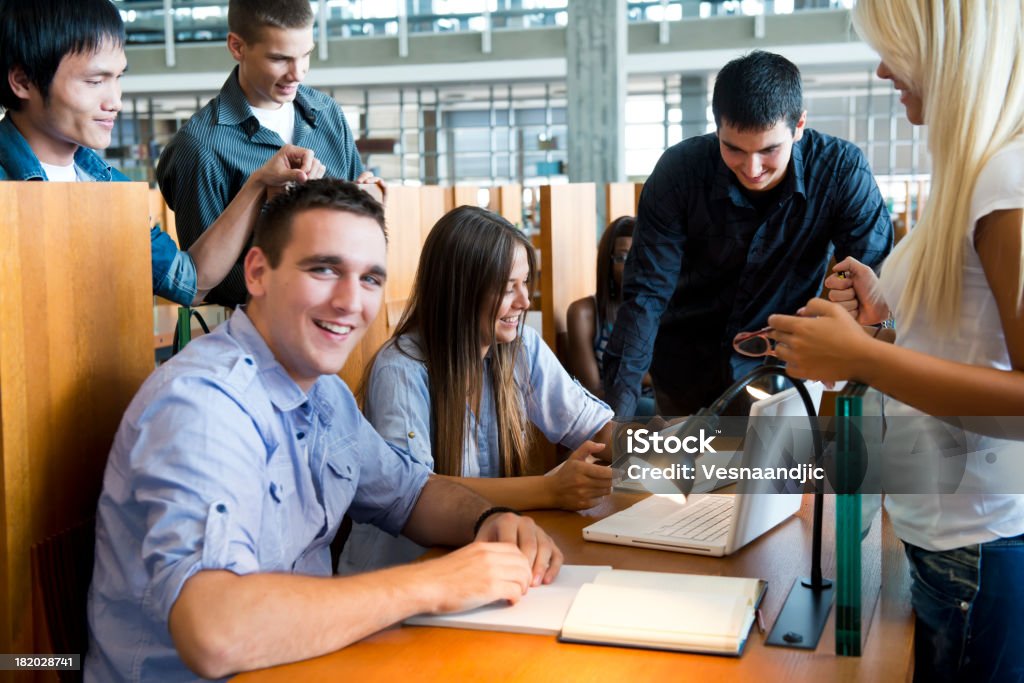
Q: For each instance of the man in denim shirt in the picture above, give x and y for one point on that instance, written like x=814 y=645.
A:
x=732 y=227
x=238 y=458
x=61 y=62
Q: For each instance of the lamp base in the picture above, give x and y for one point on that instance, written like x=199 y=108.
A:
x=803 y=616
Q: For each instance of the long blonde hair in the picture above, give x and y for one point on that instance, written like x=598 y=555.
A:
x=965 y=59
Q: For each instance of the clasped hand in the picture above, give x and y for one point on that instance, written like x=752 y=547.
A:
x=824 y=341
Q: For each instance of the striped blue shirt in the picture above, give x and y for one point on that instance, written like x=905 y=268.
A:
x=211 y=157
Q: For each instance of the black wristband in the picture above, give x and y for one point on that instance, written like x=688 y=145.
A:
x=498 y=509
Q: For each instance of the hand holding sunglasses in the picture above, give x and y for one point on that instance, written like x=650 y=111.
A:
x=754 y=344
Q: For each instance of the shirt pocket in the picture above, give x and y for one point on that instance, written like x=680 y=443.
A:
x=341 y=476
x=279 y=516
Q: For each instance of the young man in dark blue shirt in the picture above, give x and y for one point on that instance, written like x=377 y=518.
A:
x=732 y=227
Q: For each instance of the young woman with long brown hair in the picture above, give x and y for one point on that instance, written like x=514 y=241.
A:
x=463 y=378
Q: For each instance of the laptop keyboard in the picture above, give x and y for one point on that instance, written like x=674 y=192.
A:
x=705 y=519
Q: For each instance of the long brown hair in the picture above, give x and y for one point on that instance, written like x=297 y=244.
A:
x=463 y=270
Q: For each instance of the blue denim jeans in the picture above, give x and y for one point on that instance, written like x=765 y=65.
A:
x=969 y=604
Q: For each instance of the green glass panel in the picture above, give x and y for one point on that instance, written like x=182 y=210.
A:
x=848 y=461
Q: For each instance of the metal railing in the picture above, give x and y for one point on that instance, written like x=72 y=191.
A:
x=160 y=21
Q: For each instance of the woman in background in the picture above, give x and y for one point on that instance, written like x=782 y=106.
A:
x=462 y=380
x=590 y=320
x=954 y=288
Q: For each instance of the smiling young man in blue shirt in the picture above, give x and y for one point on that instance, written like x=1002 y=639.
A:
x=236 y=461
x=732 y=227
x=62 y=62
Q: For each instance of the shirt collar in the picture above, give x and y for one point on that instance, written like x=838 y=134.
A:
x=282 y=390
x=95 y=167
x=723 y=176
x=233 y=109
x=795 y=177
x=21 y=163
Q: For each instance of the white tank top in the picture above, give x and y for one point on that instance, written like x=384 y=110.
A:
x=936 y=521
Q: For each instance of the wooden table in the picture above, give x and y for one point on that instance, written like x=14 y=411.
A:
x=442 y=654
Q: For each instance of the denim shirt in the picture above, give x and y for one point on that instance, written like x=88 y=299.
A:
x=398 y=406
x=174 y=273
x=706 y=263
x=223 y=462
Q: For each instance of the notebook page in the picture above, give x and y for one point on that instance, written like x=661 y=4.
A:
x=541 y=611
x=656 y=618
x=749 y=589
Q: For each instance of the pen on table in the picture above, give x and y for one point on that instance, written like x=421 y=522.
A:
x=760 y=620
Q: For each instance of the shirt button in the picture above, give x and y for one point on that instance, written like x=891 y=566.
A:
x=412 y=435
x=221 y=508
x=248 y=361
x=300 y=435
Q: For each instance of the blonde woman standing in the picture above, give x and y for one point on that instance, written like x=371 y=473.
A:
x=954 y=290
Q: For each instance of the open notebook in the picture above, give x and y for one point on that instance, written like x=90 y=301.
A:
x=685 y=612
x=593 y=604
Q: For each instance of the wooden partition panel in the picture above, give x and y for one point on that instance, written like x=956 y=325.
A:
x=402 y=212
x=465 y=194
x=508 y=202
x=160 y=213
x=622 y=199
x=410 y=212
x=76 y=326
x=156 y=207
x=568 y=252
x=433 y=206
x=362 y=354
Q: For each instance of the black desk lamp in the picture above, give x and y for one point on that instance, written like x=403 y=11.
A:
x=803 y=616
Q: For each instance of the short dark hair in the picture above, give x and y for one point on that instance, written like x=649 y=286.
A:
x=248 y=17
x=273 y=227
x=36 y=35
x=756 y=91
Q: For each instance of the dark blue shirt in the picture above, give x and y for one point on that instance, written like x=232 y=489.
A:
x=211 y=157
x=706 y=263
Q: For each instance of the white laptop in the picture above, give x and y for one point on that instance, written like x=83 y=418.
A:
x=712 y=524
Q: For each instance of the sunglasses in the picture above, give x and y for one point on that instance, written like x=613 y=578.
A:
x=754 y=344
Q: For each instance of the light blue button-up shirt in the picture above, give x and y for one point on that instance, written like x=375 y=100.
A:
x=223 y=462
x=398 y=406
